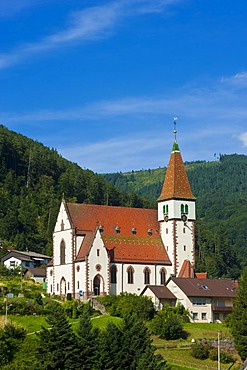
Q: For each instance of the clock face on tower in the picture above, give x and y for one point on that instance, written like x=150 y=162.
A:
x=184 y=218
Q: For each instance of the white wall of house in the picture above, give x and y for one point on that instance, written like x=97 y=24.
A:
x=148 y=293
x=12 y=262
x=200 y=308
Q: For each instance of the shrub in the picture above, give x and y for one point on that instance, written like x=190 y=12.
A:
x=226 y=357
x=200 y=351
x=167 y=325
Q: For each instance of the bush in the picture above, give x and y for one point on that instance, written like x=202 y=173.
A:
x=226 y=357
x=167 y=325
x=200 y=351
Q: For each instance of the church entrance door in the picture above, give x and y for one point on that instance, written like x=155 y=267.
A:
x=96 y=285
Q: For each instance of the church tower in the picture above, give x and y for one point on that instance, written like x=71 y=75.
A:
x=176 y=215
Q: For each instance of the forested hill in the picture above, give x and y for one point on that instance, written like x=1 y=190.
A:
x=33 y=179
x=221 y=191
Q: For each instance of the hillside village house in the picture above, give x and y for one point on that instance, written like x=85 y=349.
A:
x=100 y=250
x=208 y=300
x=14 y=258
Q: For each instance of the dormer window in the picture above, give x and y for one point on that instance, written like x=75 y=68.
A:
x=133 y=230
x=150 y=232
x=117 y=229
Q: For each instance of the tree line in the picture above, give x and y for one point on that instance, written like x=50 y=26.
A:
x=33 y=180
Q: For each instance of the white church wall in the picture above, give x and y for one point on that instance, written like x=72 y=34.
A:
x=80 y=279
x=98 y=264
x=138 y=285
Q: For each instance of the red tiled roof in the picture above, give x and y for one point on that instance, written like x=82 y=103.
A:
x=206 y=287
x=186 y=270
x=124 y=246
x=85 y=246
x=50 y=263
x=201 y=275
x=176 y=184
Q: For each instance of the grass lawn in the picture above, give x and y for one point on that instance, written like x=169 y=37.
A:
x=206 y=331
x=102 y=321
x=30 y=323
x=179 y=356
x=182 y=358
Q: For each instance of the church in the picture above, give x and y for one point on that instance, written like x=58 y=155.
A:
x=99 y=250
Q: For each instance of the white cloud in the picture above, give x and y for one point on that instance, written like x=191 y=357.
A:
x=238 y=80
x=243 y=138
x=86 y=25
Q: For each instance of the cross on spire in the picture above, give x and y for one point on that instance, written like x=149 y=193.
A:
x=175 y=128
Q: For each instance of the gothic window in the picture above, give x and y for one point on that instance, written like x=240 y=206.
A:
x=184 y=247
x=68 y=285
x=147 y=275
x=62 y=226
x=166 y=230
x=62 y=252
x=97 y=252
x=167 y=208
x=182 y=208
x=164 y=209
x=186 y=209
x=130 y=275
x=113 y=274
x=78 y=284
x=162 y=276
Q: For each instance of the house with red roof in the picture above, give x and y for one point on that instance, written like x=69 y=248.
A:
x=100 y=250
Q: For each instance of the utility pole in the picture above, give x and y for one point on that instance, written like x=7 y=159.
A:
x=6 y=310
x=218 y=351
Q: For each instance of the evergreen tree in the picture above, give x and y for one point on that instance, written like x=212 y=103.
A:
x=11 y=338
x=239 y=317
x=87 y=341
x=58 y=345
x=136 y=344
x=109 y=349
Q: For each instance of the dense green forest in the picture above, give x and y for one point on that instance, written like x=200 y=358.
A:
x=33 y=180
x=221 y=191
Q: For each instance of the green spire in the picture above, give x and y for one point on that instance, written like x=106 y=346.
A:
x=175 y=147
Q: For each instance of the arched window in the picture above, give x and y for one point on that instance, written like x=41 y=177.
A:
x=146 y=275
x=182 y=208
x=130 y=275
x=164 y=209
x=186 y=209
x=62 y=252
x=113 y=274
x=167 y=208
x=162 y=276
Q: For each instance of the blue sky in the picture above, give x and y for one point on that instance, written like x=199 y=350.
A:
x=100 y=81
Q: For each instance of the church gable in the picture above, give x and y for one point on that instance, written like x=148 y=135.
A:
x=63 y=219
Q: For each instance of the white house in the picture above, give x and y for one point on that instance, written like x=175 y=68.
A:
x=208 y=300
x=14 y=258
x=100 y=250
